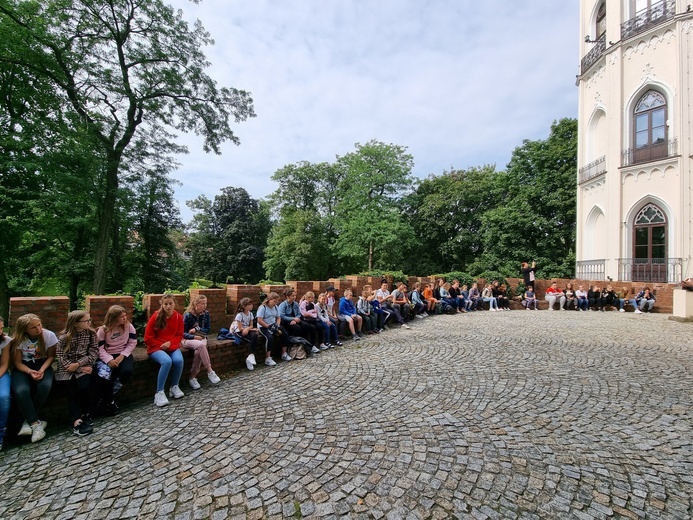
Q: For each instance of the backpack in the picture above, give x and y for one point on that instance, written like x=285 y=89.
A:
x=299 y=348
x=225 y=334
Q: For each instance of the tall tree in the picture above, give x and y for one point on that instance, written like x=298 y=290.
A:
x=228 y=237
x=369 y=211
x=122 y=65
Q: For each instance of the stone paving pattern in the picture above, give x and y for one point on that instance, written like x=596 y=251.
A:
x=488 y=415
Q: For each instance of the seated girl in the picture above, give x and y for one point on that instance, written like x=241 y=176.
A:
x=196 y=324
x=474 y=301
x=32 y=351
x=530 y=299
x=269 y=323
x=430 y=298
x=418 y=302
x=117 y=340
x=77 y=352
x=446 y=297
x=309 y=313
x=582 y=300
x=487 y=296
x=329 y=328
x=245 y=330
x=163 y=336
x=5 y=384
x=363 y=307
x=347 y=311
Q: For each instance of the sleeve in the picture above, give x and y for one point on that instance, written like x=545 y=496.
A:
x=283 y=312
x=101 y=342
x=151 y=339
x=92 y=352
x=177 y=331
x=62 y=360
x=342 y=306
x=205 y=323
x=188 y=323
x=50 y=339
x=132 y=341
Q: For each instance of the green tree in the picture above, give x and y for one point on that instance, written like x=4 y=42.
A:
x=537 y=218
x=121 y=66
x=371 y=231
x=228 y=237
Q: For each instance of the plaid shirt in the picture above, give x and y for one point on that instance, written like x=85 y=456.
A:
x=83 y=350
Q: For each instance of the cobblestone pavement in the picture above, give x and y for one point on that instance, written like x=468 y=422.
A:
x=488 y=415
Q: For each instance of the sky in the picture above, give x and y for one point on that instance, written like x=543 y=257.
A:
x=459 y=83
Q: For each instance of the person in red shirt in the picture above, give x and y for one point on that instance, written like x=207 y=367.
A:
x=554 y=294
x=162 y=337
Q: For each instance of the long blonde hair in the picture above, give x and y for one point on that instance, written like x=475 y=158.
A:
x=20 y=335
x=193 y=303
x=112 y=316
x=70 y=329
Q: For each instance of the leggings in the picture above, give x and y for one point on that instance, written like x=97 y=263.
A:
x=78 y=395
x=201 y=356
x=23 y=385
x=123 y=372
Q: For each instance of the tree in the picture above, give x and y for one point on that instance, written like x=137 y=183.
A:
x=229 y=237
x=368 y=214
x=122 y=65
x=537 y=218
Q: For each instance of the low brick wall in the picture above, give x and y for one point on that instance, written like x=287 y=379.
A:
x=52 y=310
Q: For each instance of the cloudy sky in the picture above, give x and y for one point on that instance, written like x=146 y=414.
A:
x=460 y=83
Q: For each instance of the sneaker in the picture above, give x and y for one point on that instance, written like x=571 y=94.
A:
x=638 y=311
x=622 y=310
x=329 y=345
x=82 y=429
x=323 y=346
x=529 y=309
x=160 y=399
x=286 y=356
x=194 y=383
x=175 y=392
x=38 y=431
x=270 y=362
x=405 y=326
x=420 y=316
x=315 y=349
x=356 y=338
x=111 y=409
x=249 y=363
x=86 y=419
x=338 y=343
x=213 y=378
x=25 y=429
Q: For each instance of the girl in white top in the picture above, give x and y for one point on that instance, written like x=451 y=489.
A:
x=269 y=323
x=32 y=354
x=244 y=329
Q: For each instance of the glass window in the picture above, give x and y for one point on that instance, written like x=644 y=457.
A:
x=649 y=127
x=601 y=20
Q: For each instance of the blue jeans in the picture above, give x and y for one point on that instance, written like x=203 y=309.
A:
x=166 y=360
x=492 y=303
x=23 y=383
x=330 y=332
x=5 y=387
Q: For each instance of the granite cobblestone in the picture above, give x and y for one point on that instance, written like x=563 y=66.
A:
x=486 y=416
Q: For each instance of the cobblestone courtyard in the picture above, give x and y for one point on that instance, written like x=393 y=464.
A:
x=488 y=415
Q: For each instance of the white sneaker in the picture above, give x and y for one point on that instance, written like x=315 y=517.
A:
x=160 y=399
x=286 y=356
x=405 y=326
x=175 y=392
x=194 y=384
x=26 y=429
x=315 y=349
x=37 y=431
x=638 y=311
x=251 y=357
x=419 y=316
x=270 y=362
x=622 y=310
x=323 y=346
x=249 y=363
x=213 y=378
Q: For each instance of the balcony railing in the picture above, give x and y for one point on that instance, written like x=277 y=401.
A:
x=652 y=270
x=592 y=169
x=590 y=269
x=646 y=18
x=594 y=54
x=660 y=150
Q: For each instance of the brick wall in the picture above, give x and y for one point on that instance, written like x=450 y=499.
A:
x=97 y=307
x=216 y=305
x=301 y=287
x=52 y=310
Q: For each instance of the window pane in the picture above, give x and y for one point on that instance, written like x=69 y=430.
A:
x=640 y=5
x=658 y=252
x=641 y=139
x=658 y=117
x=642 y=237
x=658 y=135
x=658 y=235
x=641 y=122
x=641 y=252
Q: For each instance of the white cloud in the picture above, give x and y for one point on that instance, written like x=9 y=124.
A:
x=460 y=83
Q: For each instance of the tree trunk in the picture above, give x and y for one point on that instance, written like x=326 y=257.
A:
x=74 y=285
x=103 y=241
x=370 y=255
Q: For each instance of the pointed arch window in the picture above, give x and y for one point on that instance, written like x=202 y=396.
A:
x=601 y=21
x=650 y=244
x=649 y=127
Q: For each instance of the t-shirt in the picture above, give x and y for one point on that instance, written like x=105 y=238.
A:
x=29 y=348
x=382 y=294
x=269 y=314
x=245 y=319
x=4 y=342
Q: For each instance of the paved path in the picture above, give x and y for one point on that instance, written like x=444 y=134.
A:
x=490 y=415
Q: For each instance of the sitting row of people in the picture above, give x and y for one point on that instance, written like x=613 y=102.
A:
x=594 y=299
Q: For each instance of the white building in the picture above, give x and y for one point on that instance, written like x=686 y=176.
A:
x=635 y=204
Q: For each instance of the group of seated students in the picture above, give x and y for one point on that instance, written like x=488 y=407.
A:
x=594 y=299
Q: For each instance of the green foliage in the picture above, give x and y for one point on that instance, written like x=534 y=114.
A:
x=464 y=278
x=396 y=276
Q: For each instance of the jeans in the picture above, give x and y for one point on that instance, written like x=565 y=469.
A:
x=582 y=303
x=552 y=300
x=167 y=360
x=329 y=331
x=643 y=303
x=78 y=394
x=23 y=384
x=492 y=303
x=5 y=386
